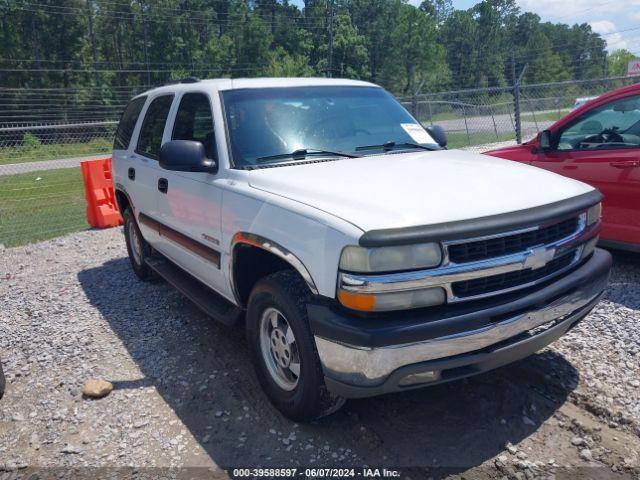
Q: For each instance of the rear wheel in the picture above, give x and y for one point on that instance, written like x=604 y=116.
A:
x=283 y=349
x=138 y=249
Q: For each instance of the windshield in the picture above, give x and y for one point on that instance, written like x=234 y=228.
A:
x=269 y=124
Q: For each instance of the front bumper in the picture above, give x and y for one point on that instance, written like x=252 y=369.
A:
x=369 y=356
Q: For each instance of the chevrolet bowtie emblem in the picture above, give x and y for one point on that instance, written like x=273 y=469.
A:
x=539 y=257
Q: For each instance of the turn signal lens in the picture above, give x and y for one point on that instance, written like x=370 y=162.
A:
x=357 y=301
x=385 y=302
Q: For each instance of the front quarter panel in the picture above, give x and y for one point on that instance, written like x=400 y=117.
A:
x=519 y=153
x=314 y=237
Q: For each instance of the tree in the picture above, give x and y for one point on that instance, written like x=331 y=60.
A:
x=350 y=55
x=543 y=64
x=441 y=10
x=414 y=60
x=458 y=36
x=618 y=62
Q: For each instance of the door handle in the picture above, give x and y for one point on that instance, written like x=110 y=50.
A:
x=163 y=185
x=628 y=164
x=131 y=173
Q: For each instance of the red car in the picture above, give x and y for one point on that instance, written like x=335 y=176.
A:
x=599 y=144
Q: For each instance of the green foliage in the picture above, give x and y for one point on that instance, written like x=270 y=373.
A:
x=618 y=62
x=545 y=65
x=30 y=141
x=103 y=44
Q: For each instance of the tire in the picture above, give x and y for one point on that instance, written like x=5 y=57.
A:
x=303 y=397
x=137 y=248
x=3 y=382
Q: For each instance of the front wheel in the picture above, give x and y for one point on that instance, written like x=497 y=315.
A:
x=283 y=349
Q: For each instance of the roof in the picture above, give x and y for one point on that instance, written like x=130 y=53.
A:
x=263 y=82
x=295 y=82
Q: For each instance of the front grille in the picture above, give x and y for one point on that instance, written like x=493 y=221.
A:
x=518 y=242
x=504 y=281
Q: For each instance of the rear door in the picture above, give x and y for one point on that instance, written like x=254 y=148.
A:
x=144 y=160
x=123 y=167
x=602 y=148
x=190 y=208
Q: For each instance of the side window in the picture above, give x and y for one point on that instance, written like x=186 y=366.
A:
x=194 y=121
x=150 y=138
x=613 y=125
x=127 y=123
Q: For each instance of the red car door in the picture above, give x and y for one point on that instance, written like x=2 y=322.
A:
x=601 y=147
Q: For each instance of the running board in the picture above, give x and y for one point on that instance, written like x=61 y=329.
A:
x=206 y=299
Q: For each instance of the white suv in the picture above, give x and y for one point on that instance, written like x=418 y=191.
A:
x=359 y=254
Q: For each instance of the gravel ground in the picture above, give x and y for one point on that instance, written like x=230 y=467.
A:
x=185 y=395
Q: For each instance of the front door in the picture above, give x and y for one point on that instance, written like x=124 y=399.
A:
x=602 y=148
x=190 y=206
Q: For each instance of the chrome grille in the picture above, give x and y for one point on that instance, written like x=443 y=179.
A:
x=510 y=280
x=505 y=245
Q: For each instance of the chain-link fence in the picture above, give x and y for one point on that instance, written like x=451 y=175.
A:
x=478 y=118
x=45 y=133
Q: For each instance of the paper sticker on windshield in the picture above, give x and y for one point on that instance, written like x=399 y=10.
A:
x=417 y=132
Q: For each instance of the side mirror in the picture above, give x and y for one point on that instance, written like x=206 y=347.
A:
x=186 y=156
x=545 y=139
x=438 y=134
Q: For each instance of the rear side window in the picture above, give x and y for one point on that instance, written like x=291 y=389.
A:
x=127 y=123
x=195 y=122
x=150 y=138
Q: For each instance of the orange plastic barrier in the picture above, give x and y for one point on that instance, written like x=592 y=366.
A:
x=102 y=210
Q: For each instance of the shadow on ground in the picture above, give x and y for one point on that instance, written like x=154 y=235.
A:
x=201 y=368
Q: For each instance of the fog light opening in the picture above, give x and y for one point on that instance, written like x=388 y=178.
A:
x=422 y=377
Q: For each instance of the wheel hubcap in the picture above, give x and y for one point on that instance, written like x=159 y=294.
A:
x=134 y=241
x=279 y=349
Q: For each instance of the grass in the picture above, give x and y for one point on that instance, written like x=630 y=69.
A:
x=544 y=117
x=35 y=153
x=459 y=140
x=39 y=205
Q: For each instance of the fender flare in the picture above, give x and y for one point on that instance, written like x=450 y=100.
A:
x=274 y=248
x=120 y=188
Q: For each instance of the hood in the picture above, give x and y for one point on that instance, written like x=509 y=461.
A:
x=417 y=188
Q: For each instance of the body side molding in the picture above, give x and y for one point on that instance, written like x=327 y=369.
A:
x=181 y=239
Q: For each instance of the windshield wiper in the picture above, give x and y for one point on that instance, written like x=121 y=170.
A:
x=302 y=153
x=390 y=145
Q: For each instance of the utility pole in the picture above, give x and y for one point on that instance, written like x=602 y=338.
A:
x=146 y=41
x=92 y=37
x=330 y=53
x=516 y=96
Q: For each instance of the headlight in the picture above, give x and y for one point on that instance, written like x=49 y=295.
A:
x=594 y=214
x=390 y=259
